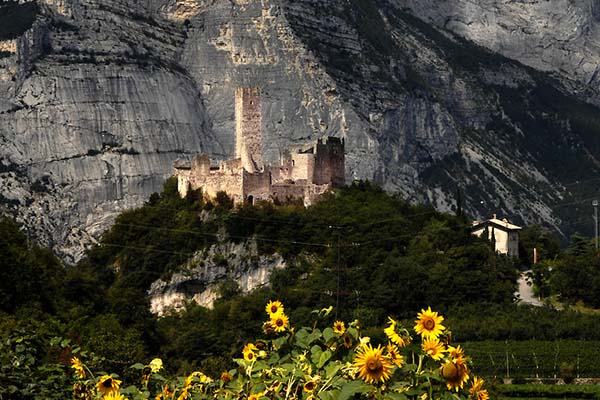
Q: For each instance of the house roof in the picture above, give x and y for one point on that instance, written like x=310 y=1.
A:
x=500 y=223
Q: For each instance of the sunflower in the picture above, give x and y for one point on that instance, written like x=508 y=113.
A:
x=455 y=352
x=394 y=337
x=429 y=323
x=156 y=365
x=226 y=377
x=268 y=328
x=456 y=374
x=249 y=352
x=275 y=386
x=433 y=347
x=256 y=396
x=114 y=396
x=107 y=384
x=394 y=354
x=310 y=385
x=184 y=394
x=476 y=392
x=77 y=365
x=347 y=338
x=80 y=391
x=339 y=327
x=280 y=322
x=199 y=375
x=274 y=308
x=167 y=391
x=372 y=365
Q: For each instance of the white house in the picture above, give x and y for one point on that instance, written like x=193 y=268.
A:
x=505 y=233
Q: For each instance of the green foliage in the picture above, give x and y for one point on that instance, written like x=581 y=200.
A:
x=16 y=18
x=149 y=242
x=27 y=371
x=533 y=236
x=478 y=322
x=29 y=275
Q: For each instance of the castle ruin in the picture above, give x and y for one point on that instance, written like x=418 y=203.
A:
x=304 y=172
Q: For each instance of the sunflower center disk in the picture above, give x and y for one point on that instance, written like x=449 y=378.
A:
x=450 y=371
x=374 y=364
x=429 y=324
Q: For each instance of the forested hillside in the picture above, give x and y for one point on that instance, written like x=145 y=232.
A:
x=368 y=254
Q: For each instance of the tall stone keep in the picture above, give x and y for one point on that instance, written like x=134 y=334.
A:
x=248 y=122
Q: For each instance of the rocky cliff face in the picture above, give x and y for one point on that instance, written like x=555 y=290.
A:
x=561 y=36
x=199 y=279
x=99 y=97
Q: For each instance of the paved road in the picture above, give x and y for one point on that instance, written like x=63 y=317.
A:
x=525 y=292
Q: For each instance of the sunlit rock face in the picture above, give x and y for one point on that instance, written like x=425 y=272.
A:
x=561 y=36
x=200 y=278
x=98 y=98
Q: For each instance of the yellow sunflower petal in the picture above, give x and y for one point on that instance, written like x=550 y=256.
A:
x=373 y=367
x=429 y=323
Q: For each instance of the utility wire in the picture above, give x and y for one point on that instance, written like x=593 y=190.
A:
x=217 y=235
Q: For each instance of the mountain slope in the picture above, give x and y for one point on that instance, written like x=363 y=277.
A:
x=98 y=98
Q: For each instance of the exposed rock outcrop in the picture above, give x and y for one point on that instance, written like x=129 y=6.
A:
x=99 y=97
x=201 y=276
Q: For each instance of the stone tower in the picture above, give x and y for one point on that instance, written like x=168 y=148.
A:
x=248 y=128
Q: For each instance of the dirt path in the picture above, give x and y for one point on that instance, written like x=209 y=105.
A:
x=525 y=293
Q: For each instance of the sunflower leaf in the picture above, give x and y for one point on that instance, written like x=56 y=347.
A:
x=351 y=388
x=314 y=335
x=329 y=395
x=328 y=334
x=353 y=332
x=396 y=396
x=315 y=354
x=302 y=338
x=325 y=356
x=137 y=366
x=332 y=369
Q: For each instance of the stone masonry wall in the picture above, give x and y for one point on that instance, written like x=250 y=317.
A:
x=329 y=162
x=219 y=180
x=303 y=166
x=257 y=185
x=248 y=128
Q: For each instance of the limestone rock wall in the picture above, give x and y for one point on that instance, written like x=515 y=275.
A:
x=101 y=96
x=97 y=111
x=562 y=36
x=200 y=277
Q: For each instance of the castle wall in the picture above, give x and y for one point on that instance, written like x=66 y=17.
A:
x=219 y=180
x=294 y=167
x=183 y=181
x=306 y=173
x=329 y=162
x=248 y=123
x=257 y=185
x=309 y=193
x=303 y=166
